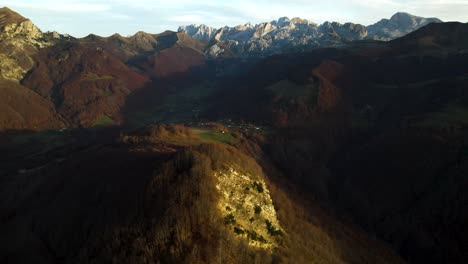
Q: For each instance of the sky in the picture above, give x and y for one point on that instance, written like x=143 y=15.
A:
x=126 y=17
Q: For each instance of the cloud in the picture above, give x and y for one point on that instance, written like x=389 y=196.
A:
x=53 y=5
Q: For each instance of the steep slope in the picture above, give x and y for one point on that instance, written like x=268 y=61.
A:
x=124 y=48
x=9 y=17
x=443 y=37
x=96 y=75
x=90 y=86
x=168 y=200
x=176 y=53
x=19 y=41
x=21 y=108
x=279 y=90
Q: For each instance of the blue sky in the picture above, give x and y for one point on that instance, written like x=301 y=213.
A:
x=105 y=17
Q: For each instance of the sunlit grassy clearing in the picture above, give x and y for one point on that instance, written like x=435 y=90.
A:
x=105 y=121
x=216 y=136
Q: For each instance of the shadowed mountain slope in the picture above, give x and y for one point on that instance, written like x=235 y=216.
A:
x=168 y=197
x=90 y=84
x=22 y=108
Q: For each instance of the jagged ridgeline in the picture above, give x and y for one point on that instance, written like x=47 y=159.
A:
x=115 y=80
x=213 y=204
x=297 y=34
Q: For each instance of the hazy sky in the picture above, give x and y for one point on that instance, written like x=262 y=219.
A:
x=105 y=17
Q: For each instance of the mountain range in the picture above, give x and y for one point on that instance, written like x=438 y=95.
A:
x=299 y=34
x=30 y=57
x=185 y=147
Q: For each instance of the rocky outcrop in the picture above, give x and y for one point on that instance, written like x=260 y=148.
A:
x=20 y=39
x=246 y=205
x=25 y=29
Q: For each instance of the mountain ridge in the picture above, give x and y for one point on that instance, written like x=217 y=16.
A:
x=351 y=152
x=286 y=34
x=147 y=58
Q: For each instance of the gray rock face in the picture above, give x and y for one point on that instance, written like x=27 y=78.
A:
x=398 y=25
x=296 y=34
x=201 y=32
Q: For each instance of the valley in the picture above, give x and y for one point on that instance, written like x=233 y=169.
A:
x=160 y=148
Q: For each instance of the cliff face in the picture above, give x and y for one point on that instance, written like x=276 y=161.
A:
x=19 y=41
x=25 y=29
x=246 y=205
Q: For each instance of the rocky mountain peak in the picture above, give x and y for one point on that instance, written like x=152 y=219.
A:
x=13 y=24
x=297 y=34
x=8 y=16
x=401 y=15
x=298 y=20
x=248 y=25
x=283 y=21
x=398 y=25
x=202 y=32
x=21 y=39
x=264 y=29
x=142 y=36
x=405 y=19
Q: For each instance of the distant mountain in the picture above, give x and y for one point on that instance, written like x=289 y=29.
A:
x=120 y=65
x=398 y=25
x=284 y=34
x=451 y=35
x=202 y=32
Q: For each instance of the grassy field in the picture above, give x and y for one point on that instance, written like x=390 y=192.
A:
x=214 y=136
x=105 y=121
x=180 y=135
